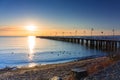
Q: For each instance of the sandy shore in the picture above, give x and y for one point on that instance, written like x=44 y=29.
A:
x=45 y=72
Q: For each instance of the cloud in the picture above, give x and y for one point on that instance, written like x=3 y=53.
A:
x=6 y=28
x=15 y=31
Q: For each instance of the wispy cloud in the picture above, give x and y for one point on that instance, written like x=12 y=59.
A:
x=15 y=31
x=6 y=28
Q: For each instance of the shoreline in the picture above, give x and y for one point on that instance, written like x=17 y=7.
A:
x=53 y=63
x=45 y=72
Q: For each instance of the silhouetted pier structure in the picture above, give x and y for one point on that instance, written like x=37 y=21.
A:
x=98 y=42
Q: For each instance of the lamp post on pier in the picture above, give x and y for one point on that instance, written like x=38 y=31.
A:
x=63 y=33
x=70 y=33
x=84 y=32
x=113 y=30
x=75 y=32
x=102 y=34
x=92 y=32
x=55 y=33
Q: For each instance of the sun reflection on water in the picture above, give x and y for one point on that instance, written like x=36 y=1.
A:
x=31 y=44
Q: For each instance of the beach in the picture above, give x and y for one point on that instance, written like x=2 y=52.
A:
x=59 y=39
x=63 y=70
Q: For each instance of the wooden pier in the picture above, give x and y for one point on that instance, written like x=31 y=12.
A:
x=98 y=43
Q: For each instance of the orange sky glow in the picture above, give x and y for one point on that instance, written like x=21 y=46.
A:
x=41 y=31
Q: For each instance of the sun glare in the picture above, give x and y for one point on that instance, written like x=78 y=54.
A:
x=31 y=44
x=31 y=28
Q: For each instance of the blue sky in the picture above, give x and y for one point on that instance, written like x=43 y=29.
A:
x=61 y=14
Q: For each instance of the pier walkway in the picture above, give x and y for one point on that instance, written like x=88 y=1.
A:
x=99 y=42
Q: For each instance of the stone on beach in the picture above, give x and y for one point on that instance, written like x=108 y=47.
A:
x=78 y=73
x=56 y=78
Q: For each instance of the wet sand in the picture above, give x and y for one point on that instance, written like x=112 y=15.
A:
x=63 y=70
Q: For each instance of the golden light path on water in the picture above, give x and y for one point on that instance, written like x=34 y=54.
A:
x=31 y=45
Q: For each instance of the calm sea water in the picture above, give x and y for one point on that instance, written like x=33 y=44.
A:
x=31 y=51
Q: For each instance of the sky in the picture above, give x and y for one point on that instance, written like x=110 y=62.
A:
x=51 y=16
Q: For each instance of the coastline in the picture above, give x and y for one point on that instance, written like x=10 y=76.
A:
x=45 y=72
x=52 y=63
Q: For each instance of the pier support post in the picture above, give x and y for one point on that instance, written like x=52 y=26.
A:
x=82 y=41
x=91 y=43
x=74 y=41
x=116 y=45
x=100 y=44
x=78 y=41
x=108 y=45
x=119 y=44
x=97 y=44
x=86 y=42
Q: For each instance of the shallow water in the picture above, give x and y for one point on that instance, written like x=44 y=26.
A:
x=30 y=51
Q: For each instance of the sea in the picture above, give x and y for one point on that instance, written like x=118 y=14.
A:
x=30 y=51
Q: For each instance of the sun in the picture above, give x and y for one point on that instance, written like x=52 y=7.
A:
x=31 y=28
